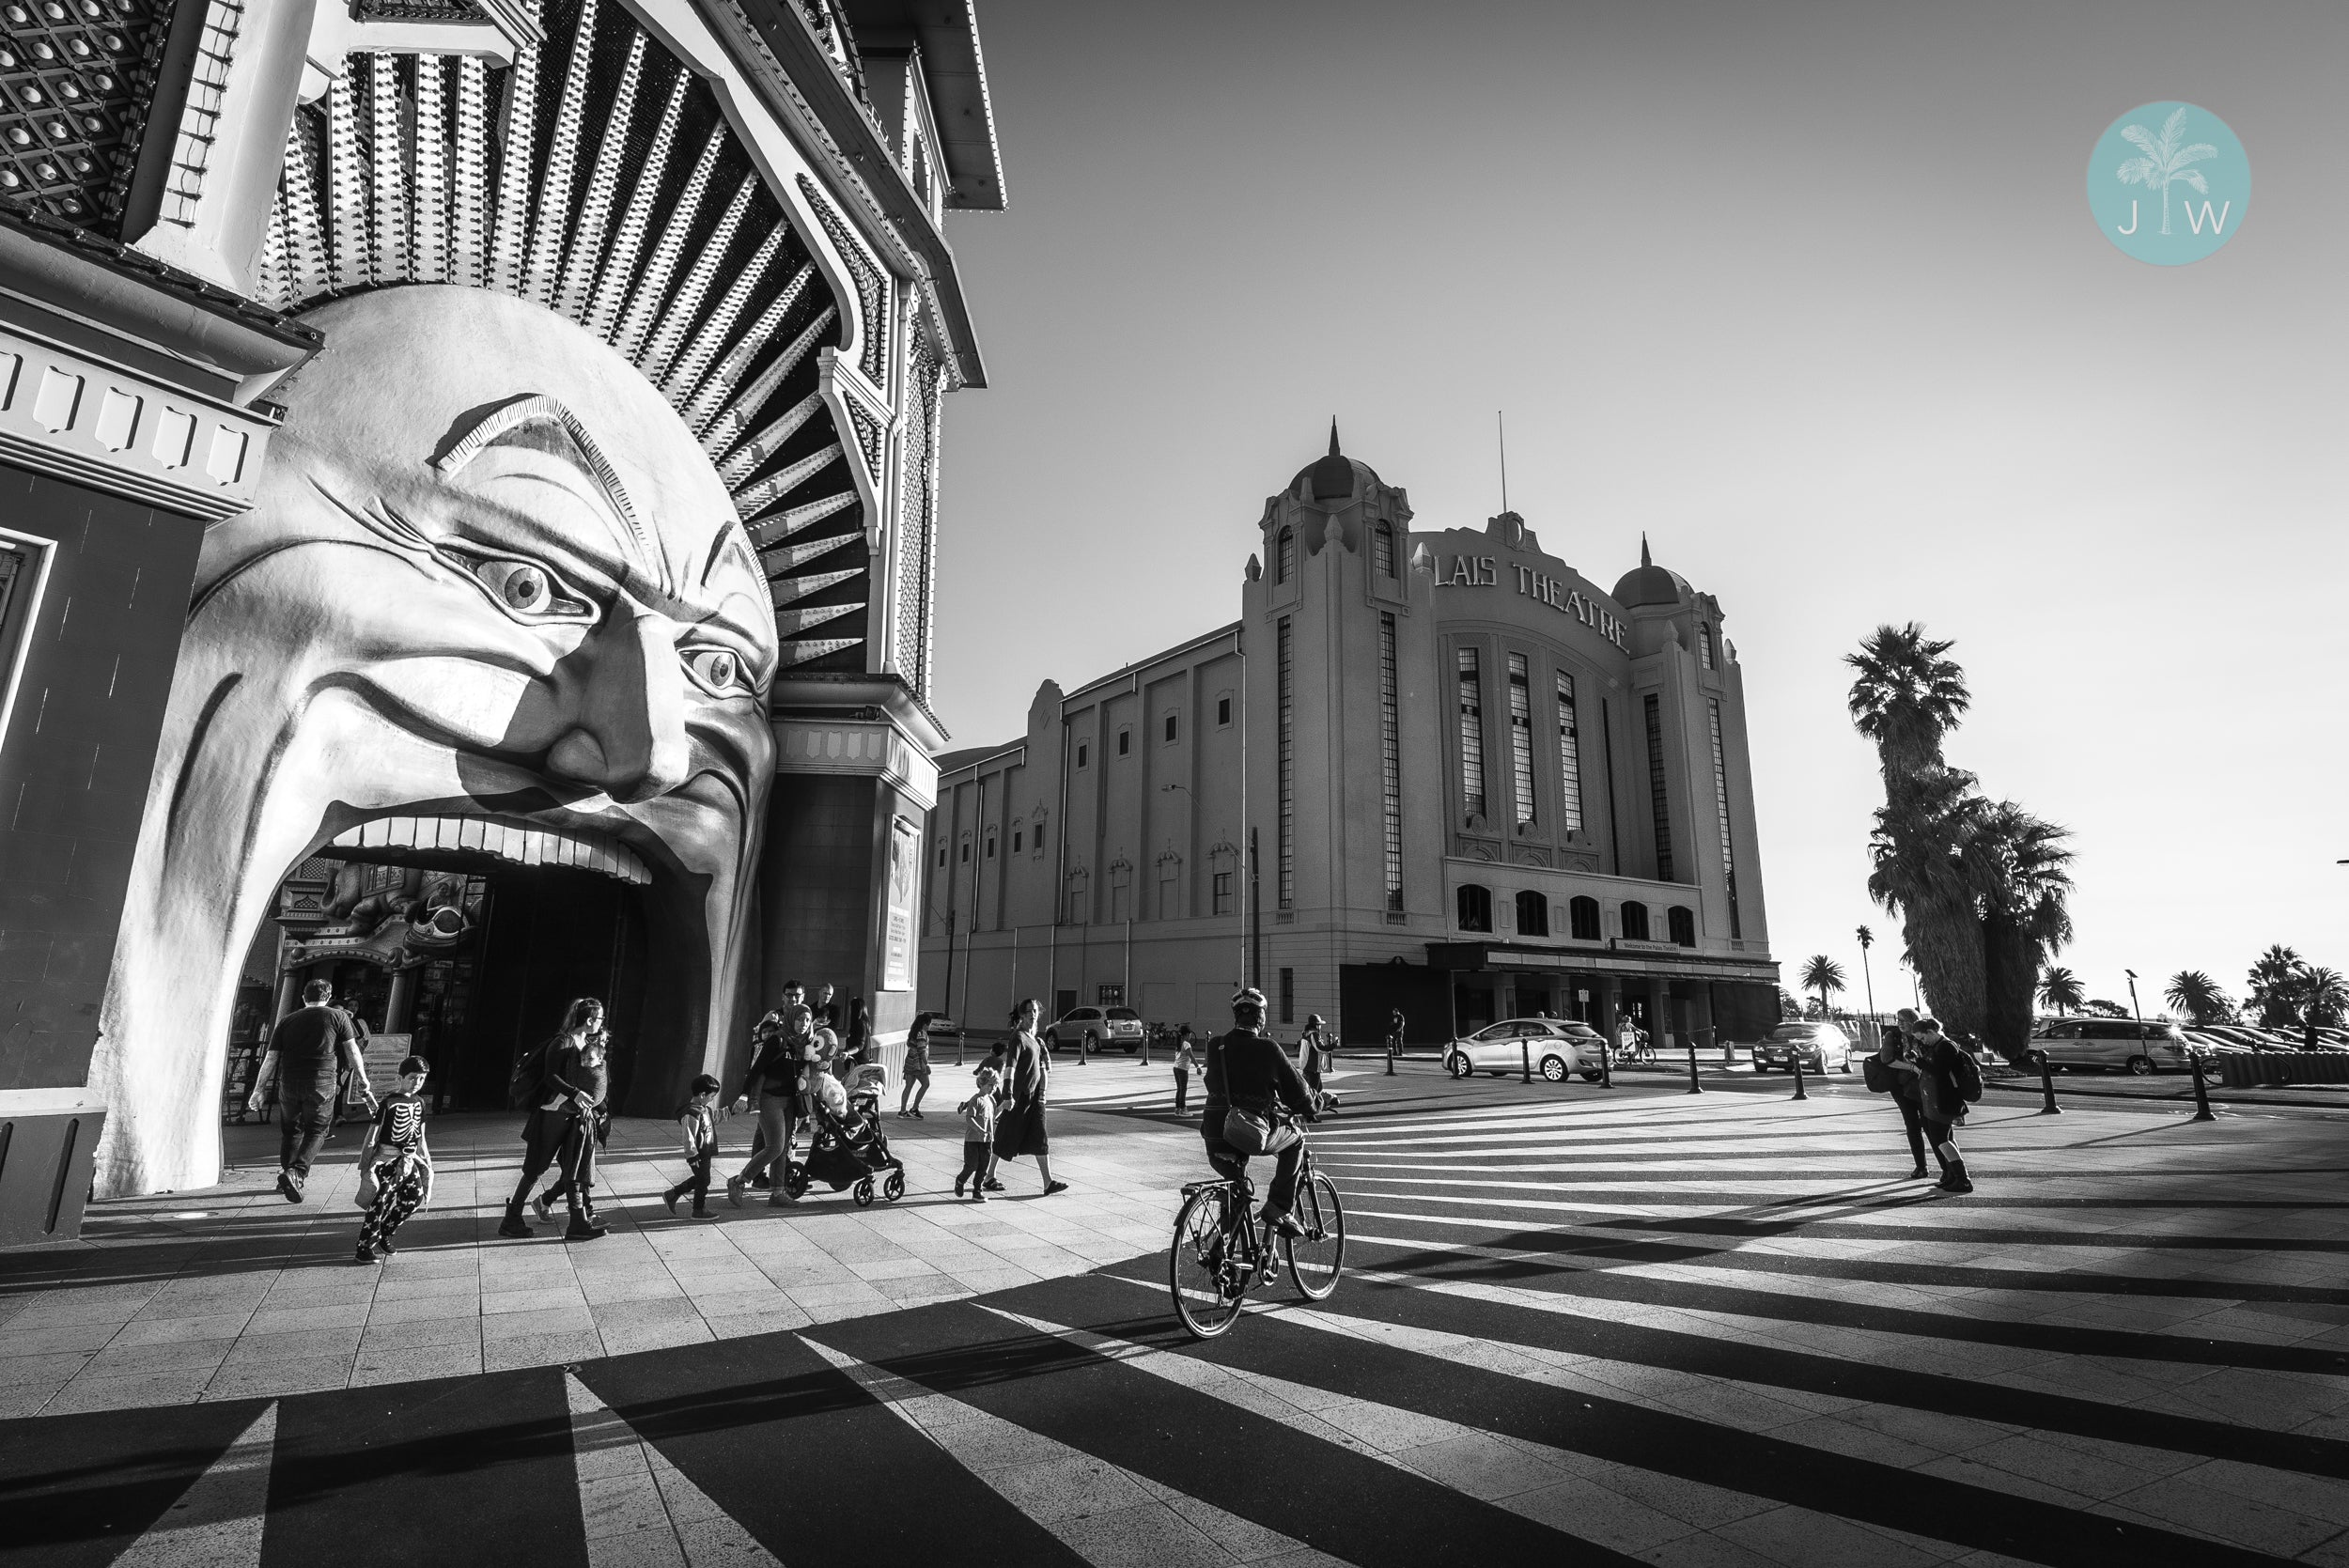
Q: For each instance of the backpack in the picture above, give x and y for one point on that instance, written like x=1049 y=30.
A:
x=527 y=1087
x=1964 y=1075
x=1878 y=1077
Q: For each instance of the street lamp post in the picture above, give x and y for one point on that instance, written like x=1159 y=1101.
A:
x=2137 y=1012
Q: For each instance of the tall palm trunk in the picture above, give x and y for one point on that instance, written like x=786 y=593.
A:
x=2010 y=979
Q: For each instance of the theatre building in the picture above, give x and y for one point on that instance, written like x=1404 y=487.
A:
x=468 y=507
x=1440 y=771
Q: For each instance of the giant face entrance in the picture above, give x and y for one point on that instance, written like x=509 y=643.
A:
x=464 y=960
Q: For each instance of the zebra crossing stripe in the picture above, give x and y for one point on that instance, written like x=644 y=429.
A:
x=1105 y=1513
x=1594 y=1500
x=636 y=1507
x=218 y=1521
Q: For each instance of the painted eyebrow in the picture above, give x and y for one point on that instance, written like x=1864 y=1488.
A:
x=575 y=447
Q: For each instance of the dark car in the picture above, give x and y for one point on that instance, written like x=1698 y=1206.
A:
x=1821 y=1046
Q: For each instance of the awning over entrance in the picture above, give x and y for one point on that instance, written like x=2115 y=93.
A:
x=1676 y=963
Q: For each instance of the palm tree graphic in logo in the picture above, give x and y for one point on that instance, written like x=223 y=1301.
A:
x=2165 y=161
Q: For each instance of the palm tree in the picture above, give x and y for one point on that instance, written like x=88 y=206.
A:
x=1867 y=940
x=2324 y=996
x=1917 y=874
x=2276 y=982
x=1906 y=697
x=2060 y=988
x=2198 y=996
x=1824 y=975
x=2165 y=161
x=2016 y=863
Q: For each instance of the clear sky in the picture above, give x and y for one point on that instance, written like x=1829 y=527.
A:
x=1810 y=293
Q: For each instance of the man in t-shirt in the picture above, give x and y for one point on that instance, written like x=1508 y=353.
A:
x=306 y=1049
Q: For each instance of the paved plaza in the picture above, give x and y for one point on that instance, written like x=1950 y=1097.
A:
x=1576 y=1327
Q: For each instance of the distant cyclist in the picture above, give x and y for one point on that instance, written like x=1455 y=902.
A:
x=1249 y=1079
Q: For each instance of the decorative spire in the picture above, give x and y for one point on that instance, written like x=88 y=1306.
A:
x=1645 y=559
x=1333 y=435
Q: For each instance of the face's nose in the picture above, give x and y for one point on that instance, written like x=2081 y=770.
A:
x=627 y=702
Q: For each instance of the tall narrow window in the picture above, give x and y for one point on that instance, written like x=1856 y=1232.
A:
x=1720 y=798
x=1285 y=555
x=1521 y=738
x=1532 y=914
x=1471 y=736
x=1288 y=996
x=1288 y=771
x=1391 y=762
x=1705 y=644
x=1382 y=550
x=1569 y=760
x=1635 y=922
x=1659 y=802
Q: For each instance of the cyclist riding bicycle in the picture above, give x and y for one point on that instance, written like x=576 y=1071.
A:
x=1248 y=1081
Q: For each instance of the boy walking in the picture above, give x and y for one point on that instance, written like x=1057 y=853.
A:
x=394 y=1163
x=978 y=1134
x=697 y=1124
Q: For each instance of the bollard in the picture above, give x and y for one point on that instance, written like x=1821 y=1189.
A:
x=2048 y=1106
x=1694 y=1087
x=1394 y=1049
x=2202 y=1095
x=1606 y=1065
x=962 y=1038
x=1146 y=1035
x=1525 y=1057
x=1799 y=1093
x=1082 y=1041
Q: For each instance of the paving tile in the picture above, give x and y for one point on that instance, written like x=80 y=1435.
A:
x=540 y=1350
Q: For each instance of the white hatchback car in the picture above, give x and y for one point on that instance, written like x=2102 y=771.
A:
x=1552 y=1046
x=1821 y=1046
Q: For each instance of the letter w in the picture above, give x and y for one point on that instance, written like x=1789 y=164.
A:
x=2195 y=222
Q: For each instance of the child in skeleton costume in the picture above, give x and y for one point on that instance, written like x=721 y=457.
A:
x=394 y=1163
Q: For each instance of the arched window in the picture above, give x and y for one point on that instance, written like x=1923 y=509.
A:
x=1682 y=921
x=1705 y=644
x=1635 y=922
x=1476 y=907
x=1382 y=550
x=1582 y=919
x=1532 y=914
x=1285 y=555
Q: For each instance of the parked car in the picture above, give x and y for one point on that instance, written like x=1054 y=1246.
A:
x=1095 y=1028
x=1553 y=1046
x=2118 y=1045
x=1821 y=1046
x=2211 y=1042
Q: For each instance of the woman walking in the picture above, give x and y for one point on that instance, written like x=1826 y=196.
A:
x=561 y=1094
x=916 y=1072
x=779 y=1079
x=1021 y=1130
x=1896 y=1066
x=1313 y=1049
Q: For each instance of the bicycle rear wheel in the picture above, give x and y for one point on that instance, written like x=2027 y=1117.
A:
x=1207 y=1280
x=1316 y=1257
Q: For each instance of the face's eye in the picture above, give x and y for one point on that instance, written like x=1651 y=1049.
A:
x=528 y=591
x=719 y=671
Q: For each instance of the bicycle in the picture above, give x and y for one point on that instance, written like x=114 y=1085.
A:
x=1222 y=1250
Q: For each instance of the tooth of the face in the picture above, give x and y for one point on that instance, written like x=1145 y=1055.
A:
x=403 y=831
x=493 y=839
x=469 y=833
x=533 y=847
x=375 y=834
x=445 y=832
x=349 y=837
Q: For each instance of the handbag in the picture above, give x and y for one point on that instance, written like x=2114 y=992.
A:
x=1879 y=1078
x=1248 y=1131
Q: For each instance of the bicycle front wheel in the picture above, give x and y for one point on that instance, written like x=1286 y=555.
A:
x=1205 y=1277
x=1316 y=1257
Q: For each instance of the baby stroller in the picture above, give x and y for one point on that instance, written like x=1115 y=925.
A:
x=850 y=1149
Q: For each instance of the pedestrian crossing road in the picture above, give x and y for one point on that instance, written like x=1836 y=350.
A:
x=1574 y=1329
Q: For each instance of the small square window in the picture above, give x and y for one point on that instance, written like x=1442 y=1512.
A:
x=941 y=854
x=1224 y=711
x=1015 y=841
x=966 y=852
x=1174 y=725
x=1081 y=754
x=991 y=847
x=1124 y=741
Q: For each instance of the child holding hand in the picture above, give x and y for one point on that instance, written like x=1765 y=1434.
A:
x=697 y=1126
x=978 y=1134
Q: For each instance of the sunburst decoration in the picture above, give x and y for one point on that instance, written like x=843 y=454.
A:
x=637 y=214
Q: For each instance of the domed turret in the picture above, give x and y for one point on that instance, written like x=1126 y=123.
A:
x=1331 y=477
x=1650 y=583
